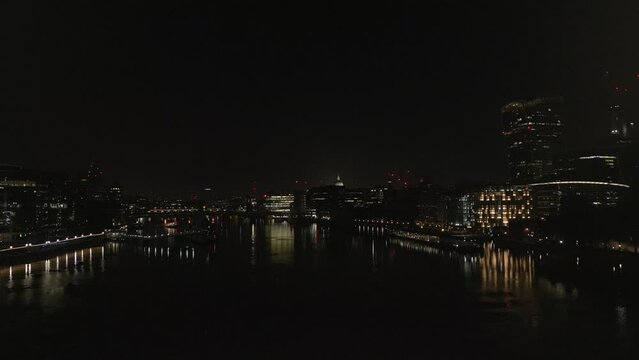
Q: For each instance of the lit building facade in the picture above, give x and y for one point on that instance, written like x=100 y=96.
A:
x=533 y=130
x=465 y=211
x=498 y=207
x=279 y=206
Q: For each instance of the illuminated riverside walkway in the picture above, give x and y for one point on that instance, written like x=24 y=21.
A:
x=18 y=252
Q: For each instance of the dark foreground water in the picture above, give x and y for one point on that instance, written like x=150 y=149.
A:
x=269 y=290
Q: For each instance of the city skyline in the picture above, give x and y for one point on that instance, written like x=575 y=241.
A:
x=324 y=180
x=521 y=109
x=170 y=99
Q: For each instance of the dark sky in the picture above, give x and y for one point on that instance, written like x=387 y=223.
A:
x=171 y=97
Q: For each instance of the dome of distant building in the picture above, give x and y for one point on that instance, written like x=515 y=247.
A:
x=339 y=181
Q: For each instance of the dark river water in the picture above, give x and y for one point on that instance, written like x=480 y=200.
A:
x=266 y=289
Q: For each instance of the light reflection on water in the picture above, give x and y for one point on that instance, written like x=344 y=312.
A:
x=499 y=272
x=59 y=263
x=42 y=283
x=503 y=271
x=280 y=237
x=509 y=281
x=495 y=271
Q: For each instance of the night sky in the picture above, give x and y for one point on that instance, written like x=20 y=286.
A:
x=173 y=97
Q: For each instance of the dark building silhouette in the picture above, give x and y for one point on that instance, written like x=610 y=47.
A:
x=337 y=202
x=622 y=114
x=599 y=176
x=434 y=205
x=299 y=208
x=34 y=201
x=592 y=176
x=620 y=110
x=96 y=205
x=325 y=202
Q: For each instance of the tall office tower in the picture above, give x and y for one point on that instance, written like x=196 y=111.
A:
x=619 y=103
x=533 y=130
x=620 y=126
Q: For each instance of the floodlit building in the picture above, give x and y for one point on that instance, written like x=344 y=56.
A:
x=498 y=207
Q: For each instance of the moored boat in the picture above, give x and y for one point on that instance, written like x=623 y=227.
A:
x=462 y=244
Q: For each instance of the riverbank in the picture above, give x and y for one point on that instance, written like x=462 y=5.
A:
x=32 y=252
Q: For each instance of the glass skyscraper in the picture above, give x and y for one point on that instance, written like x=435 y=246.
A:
x=533 y=130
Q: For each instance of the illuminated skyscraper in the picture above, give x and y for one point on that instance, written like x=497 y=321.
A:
x=533 y=130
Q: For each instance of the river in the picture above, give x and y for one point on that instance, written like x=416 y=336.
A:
x=275 y=290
